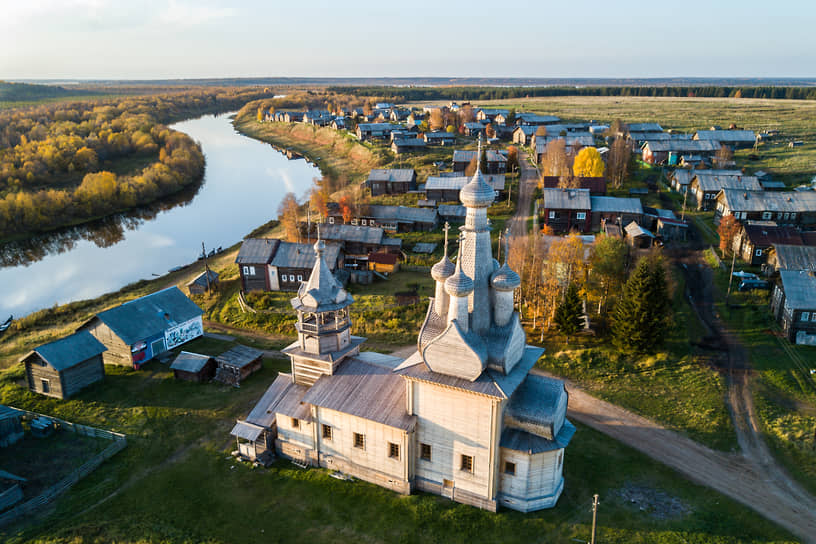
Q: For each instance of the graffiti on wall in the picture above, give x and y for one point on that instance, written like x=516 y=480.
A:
x=183 y=333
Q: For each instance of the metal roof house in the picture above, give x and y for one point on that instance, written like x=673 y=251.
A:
x=446 y=188
x=614 y=210
x=62 y=368
x=496 y=163
x=462 y=417
x=786 y=208
x=253 y=258
x=791 y=257
x=756 y=238
x=659 y=151
x=734 y=139
x=269 y=264
x=793 y=304
x=705 y=186
x=137 y=331
x=565 y=210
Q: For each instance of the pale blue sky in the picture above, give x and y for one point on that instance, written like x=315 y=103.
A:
x=142 y=39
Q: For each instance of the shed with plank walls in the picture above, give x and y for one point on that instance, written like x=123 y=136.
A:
x=62 y=368
x=193 y=367
x=236 y=364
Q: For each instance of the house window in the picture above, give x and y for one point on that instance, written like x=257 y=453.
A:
x=249 y=271
x=371 y=222
x=359 y=441
x=510 y=468
x=425 y=452
x=300 y=277
x=766 y=215
x=758 y=253
x=46 y=385
x=787 y=215
x=552 y=215
x=295 y=423
x=331 y=220
x=580 y=215
x=327 y=432
x=708 y=196
x=793 y=215
x=364 y=222
x=466 y=463
x=291 y=277
x=354 y=222
x=805 y=316
x=393 y=450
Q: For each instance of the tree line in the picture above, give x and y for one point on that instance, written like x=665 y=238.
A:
x=55 y=158
x=402 y=94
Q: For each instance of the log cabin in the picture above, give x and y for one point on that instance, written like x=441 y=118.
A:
x=462 y=417
x=565 y=210
x=785 y=208
x=793 y=304
x=496 y=163
x=705 y=186
x=193 y=367
x=391 y=181
x=137 y=331
x=62 y=368
x=237 y=363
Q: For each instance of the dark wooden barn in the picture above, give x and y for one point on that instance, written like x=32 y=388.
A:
x=200 y=283
x=11 y=429
x=193 y=367
x=237 y=363
x=62 y=368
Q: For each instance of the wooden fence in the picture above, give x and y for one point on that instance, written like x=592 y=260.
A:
x=119 y=441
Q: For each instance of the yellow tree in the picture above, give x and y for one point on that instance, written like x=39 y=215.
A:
x=318 y=202
x=588 y=163
x=288 y=215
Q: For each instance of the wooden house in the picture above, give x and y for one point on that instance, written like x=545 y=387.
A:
x=293 y=116
x=790 y=257
x=614 y=210
x=338 y=123
x=252 y=259
x=207 y=280
x=793 y=304
x=565 y=210
x=293 y=262
x=498 y=116
x=193 y=367
x=474 y=129
x=62 y=368
x=318 y=118
x=535 y=120
x=755 y=239
x=595 y=185
x=391 y=181
x=408 y=145
x=705 y=186
x=439 y=138
x=137 y=331
x=375 y=131
x=671 y=228
x=446 y=188
x=574 y=142
x=496 y=163
x=399 y=114
x=670 y=151
x=735 y=139
x=11 y=427
x=452 y=213
x=384 y=263
x=523 y=135
x=786 y=208
x=236 y=364
x=637 y=236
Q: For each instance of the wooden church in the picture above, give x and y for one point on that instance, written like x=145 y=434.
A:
x=462 y=417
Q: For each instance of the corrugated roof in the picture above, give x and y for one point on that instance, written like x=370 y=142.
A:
x=466 y=155
x=351 y=233
x=536 y=118
x=800 y=288
x=715 y=182
x=611 y=204
x=746 y=136
x=645 y=127
x=683 y=146
x=633 y=230
x=403 y=214
x=452 y=210
x=440 y=135
x=295 y=255
x=190 y=362
x=762 y=201
x=566 y=199
x=150 y=315
x=768 y=235
x=795 y=257
x=247 y=431
x=391 y=174
x=363 y=390
x=283 y=397
x=455 y=183
x=572 y=139
x=424 y=247
x=257 y=251
x=69 y=351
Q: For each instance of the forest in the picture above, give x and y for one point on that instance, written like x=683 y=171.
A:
x=58 y=162
x=402 y=94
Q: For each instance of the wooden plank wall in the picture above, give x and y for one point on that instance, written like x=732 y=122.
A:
x=118 y=352
x=82 y=375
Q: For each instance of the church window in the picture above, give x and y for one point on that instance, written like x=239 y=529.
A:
x=359 y=441
x=466 y=463
x=560 y=459
x=509 y=468
x=300 y=277
x=393 y=450
x=295 y=423
x=425 y=452
x=327 y=432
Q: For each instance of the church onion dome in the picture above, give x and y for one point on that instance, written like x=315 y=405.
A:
x=443 y=270
x=459 y=285
x=322 y=293
x=477 y=193
x=505 y=279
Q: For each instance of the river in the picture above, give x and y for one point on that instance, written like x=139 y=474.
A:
x=243 y=184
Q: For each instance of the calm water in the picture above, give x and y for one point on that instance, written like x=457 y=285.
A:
x=244 y=182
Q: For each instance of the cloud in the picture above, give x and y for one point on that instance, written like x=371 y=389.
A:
x=179 y=13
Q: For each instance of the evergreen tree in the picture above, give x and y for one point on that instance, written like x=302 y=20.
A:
x=569 y=315
x=641 y=317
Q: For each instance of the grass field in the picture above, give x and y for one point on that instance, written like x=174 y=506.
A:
x=793 y=118
x=175 y=483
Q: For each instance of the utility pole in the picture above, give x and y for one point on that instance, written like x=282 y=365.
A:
x=685 y=196
x=206 y=266
x=731 y=276
x=594 y=515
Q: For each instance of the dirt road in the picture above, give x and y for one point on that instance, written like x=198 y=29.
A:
x=527 y=184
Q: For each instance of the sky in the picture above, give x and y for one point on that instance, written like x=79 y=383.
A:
x=169 y=39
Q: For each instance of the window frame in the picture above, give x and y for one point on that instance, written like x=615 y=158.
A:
x=393 y=450
x=295 y=423
x=300 y=277
x=581 y=216
x=422 y=451
x=758 y=252
x=359 y=441
x=551 y=215
x=804 y=316
x=466 y=463
x=326 y=432
x=45 y=385
x=510 y=468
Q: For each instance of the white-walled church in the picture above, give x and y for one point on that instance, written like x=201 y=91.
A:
x=462 y=417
